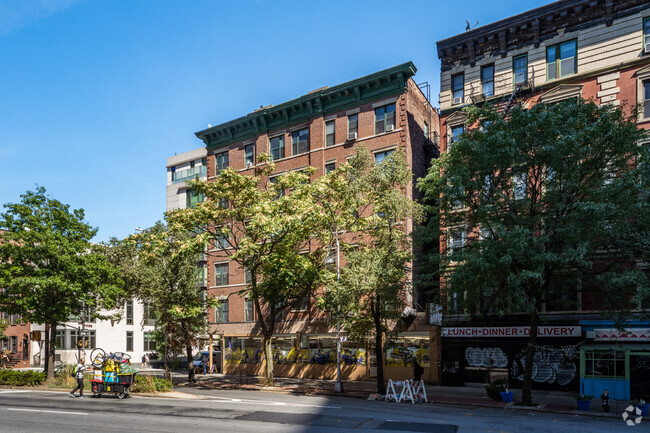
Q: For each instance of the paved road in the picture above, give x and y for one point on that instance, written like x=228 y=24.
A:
x=246 y=411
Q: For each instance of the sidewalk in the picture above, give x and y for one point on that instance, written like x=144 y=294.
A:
x=468 y=396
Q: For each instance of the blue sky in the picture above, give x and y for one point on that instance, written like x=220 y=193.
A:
x=97 y=94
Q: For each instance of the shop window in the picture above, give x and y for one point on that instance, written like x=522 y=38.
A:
x=403 y=348
x=318 y=349
x=242 y=350
x=284 y=350
x=605 y=364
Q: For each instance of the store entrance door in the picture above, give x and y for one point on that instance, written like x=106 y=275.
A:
x=453 y=367
x=639 y=375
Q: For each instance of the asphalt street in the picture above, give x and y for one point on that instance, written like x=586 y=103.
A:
x=250 y=411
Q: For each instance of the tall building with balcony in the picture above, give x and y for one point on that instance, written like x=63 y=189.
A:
x=382 y=112
x=596 y=50
x=181 y=168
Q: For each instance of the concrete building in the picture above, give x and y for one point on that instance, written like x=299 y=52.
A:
x=181 y=168
x=591 y=49
x=381 y=111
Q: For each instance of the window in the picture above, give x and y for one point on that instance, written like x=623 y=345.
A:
x=274 y=180
x=562 y=293
x=60 y=339
x=149 y=315
x=426 y=133
x=601 y=364
x=353 y=124
x=646 y=99
x=381 y=156
x=192 y=164
x=129 y=312
x=247 y=276
x=221 y=274
x=302 y=304
x=149 y=342
x=192 y=198
x=248 y=310
x=277 y=147
x=329 y=133
x=646 y=35
x=221 y=312
x=129 y=341
x=561 y=60
x=204 y=162
x=384 y=118
x=281 y=313
x=249 y=155
x=487 y=79
x=456 y=239
x=520 y=68
x=220 y=162
x=221 y=241
x=519 y=186
x=330 y=261
x=329 y=167
x=455 y=133
x=458 y=88
x=300 y=141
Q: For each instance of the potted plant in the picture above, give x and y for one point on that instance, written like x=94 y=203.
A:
x=642 y=406
x=584 y=401
x=495 y=388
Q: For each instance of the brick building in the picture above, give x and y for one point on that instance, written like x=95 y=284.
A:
x=591 y=49
x=17 y=340
x=381 y=111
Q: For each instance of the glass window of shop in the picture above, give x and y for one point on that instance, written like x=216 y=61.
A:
x=243 y=350
x=605 y=364
x=321 y=349
x=400 y=351
x=284 y=349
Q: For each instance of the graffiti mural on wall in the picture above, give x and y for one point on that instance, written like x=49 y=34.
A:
x=552 y=365
x=486 y=357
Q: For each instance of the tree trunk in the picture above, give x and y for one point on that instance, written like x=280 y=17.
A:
x=51 y=354
x=190 y=363
x=526 y=390
x=379 y=350
x=268 y=360
x=46 y=359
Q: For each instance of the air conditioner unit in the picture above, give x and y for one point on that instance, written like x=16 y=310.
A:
x=390 y=128
x=458 y=100
x=352 y=136
x=249 y=164
x=525 y=85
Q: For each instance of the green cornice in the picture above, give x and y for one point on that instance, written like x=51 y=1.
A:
x=321 y=102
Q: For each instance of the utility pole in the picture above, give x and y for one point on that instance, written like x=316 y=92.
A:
x=83 y=329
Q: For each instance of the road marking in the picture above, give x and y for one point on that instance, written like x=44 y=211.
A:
x=279 y=403
x=10 y=391
x=236 y=399
x=47 y=411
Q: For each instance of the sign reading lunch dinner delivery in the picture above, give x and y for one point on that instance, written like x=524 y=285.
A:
x=512 y=331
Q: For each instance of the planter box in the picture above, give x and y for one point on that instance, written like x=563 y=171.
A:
x=644 y=409
x=584 y=404
x=506 y=397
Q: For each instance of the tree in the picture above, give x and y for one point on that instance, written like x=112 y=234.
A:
x=159 y=272
x=265 y=225
x=554 y=191
x=48 y=268
x=372 y=293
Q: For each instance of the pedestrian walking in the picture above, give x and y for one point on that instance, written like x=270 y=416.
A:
x=417 y=370
x=79 y=371
x=204 y=363
x=144 y=360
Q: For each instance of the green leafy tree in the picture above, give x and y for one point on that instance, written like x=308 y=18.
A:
x=163 y=274
x=372 y=291
x=554 y=191
x=48 y=267
x=265 y=225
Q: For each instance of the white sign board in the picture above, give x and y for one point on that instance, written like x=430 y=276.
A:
x=511 y=331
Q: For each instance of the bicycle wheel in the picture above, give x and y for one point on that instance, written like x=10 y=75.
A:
x=97 y=357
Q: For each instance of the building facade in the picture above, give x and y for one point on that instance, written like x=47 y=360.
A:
x=596 y=50
x=382 y=112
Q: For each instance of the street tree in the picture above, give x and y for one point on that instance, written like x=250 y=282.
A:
x=553 y=192
x=265 y=225
x=372 y=293
x=49 y=270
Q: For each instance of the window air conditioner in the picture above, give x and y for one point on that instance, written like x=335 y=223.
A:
x=458 y=100
x=390 y=128
x=352 y=136
x=249 y=164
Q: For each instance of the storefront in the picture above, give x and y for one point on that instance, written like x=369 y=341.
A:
x=482 y=354
x=616 y=360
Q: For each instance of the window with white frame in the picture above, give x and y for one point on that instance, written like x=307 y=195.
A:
x=381 y=156
x=646 y=35
x=520 y=69
x=329 y=167
x=456 y=239
x=353 y=124
x=487 y=80
x=455 y=134
x=249 y=155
